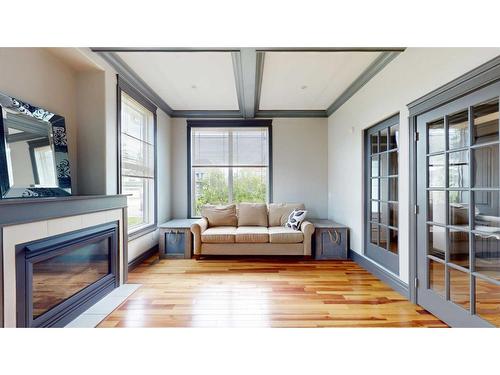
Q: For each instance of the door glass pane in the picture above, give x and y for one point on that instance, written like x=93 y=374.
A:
x=437 y=176
x=458 y=130
x=383 y=140
x=486 y=166
x=459 y=248
x=393 y=189
x=394 y=137
x=487 y=212
x=384 y=234
x=374 y=143
x=487 y=255
x=488 y=301
x=374 y=184
x=384 y=171
x=374 y=214
x=375 y=166
x=436 y=277
x=436 y=136
x=393 y=241
x=384 y=193
x=374 y=234
x=437 y=207
x=459 y=288
x=436 y=241
x=485 y=122
x=384 y=213
x=393 y=163
x=393 y=215
x=459 y=169
x=459 y=208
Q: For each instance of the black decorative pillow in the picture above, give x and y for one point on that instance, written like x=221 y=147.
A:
x=295 y=219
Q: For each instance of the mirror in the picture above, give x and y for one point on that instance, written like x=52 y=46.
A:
x=33 y=151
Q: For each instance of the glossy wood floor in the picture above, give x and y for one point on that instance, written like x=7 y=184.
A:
x=263 y=293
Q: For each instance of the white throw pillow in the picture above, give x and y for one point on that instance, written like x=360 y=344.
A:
x=295 y=219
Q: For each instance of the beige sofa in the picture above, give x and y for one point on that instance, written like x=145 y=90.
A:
x=250 y=229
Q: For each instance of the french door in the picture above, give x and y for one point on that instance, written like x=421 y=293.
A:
x=381 y=186
x=458 y=196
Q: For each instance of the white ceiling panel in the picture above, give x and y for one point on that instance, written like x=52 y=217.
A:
x=309 y=80
x=188 y=80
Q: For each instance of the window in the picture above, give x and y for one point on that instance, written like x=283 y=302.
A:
x=382 y=172
x=137 y=161
x=229 y=164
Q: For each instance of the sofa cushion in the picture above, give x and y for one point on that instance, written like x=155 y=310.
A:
x=285 y=235
x=219 y=235
x=252 y=235
x=220 y=215
x=252 y=214
x=279 y=212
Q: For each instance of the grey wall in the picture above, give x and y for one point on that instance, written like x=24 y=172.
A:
x=91 y=115
x=300 y=164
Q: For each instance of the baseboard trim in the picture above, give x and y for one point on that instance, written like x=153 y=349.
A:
x=372 y=267
x=141 y=258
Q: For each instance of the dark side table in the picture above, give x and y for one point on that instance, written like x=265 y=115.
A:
x=176 y=239
x=330 y=240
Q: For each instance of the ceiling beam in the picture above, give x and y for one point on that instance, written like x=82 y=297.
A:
x=258 y=79
x=376 y=66
x=237 y=49
x=127 y=73
x=245 y=74
x=291 y=113
x=207 y=114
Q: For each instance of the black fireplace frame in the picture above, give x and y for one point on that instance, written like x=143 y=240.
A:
x=35 y=251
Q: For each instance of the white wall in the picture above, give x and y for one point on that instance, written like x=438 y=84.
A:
x=412 y=74
x=299 y=164
x=36 y=76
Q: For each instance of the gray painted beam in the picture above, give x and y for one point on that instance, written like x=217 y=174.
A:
x=237 y=49
x=375 y=67
x=248 y=63
x=290 y=113
x=207 y=114
x=238 y=79
x=133 y=79
x=258 y=79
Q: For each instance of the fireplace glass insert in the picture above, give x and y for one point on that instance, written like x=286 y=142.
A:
x=60 y=277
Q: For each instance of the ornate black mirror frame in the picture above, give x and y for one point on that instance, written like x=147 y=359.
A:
x=60 y=143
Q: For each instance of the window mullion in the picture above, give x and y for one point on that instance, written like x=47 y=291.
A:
x=231 y=169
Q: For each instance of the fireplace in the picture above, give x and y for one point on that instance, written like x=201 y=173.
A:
x=59 y=277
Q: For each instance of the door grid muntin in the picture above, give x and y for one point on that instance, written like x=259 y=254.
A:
x=452 y=229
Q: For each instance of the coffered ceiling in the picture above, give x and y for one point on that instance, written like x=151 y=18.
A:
x=248 y=82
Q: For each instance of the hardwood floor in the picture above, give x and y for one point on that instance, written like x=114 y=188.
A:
x=263 y=293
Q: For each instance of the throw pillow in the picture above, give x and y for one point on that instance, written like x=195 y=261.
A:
x=220 y=215
x=295 y=219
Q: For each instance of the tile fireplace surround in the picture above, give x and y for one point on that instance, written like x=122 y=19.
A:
x=25 y=220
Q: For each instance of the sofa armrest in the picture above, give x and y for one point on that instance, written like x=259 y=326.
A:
x=307 y=229
x=197 y=228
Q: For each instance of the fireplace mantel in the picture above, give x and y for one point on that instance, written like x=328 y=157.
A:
x=31 y=219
